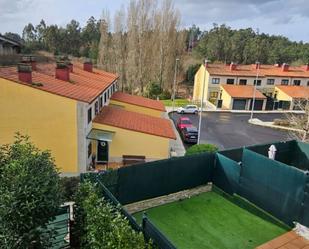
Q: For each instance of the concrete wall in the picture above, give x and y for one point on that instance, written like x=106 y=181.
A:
x=49 y=120
x=126 y=142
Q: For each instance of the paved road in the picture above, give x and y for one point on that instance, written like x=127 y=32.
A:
x=230 y=130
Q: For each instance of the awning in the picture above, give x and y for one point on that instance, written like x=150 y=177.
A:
x=101 y=135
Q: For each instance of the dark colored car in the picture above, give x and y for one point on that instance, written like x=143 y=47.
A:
x=189 y=134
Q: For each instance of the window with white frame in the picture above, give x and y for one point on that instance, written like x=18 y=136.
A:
x=89 y=115
x=215 y=81
x=296 y=82
x=270 y=81
x=284 y=82
x=96 y=107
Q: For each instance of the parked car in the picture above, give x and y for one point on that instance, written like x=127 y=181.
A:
x=189 y=134
x=188 y=109
x=183 y=122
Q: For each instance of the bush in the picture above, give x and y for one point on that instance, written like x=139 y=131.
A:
x=200 y=148
x=282 y=122
x=30 y=195
x=165 y=95
x=153 y=90
x=69 y=187
x=100 y=225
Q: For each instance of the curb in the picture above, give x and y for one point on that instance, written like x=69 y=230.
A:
x=261 y=123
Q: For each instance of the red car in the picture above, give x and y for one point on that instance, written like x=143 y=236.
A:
x=183 y=122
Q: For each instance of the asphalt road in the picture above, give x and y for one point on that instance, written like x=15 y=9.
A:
x=230 y=130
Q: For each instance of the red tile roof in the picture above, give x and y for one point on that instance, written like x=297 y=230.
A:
x=298 y=92
x=83 y=86
x=139 y=101
x=133 y=121
x=244 y=92
x=250 y=71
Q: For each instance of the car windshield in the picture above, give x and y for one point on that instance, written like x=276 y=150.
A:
x=192 y=129
x=185 y=121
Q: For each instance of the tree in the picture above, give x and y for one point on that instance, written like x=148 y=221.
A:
x=201 y=148
x=29 y=194
x=100 y=225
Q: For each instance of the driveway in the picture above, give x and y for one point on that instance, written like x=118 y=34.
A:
x=230 y=130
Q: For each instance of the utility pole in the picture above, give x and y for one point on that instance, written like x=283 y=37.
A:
x=254 y=91
x=201 y=111
x=174 y=85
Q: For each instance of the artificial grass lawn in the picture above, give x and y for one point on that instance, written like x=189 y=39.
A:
x=178 y=102
x=211 y=221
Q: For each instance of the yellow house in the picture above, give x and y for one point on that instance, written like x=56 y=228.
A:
x=265 y=77
x=55 y=107
x=241 y=98
x=64 y=109
x=291 y=97
x=130 y=133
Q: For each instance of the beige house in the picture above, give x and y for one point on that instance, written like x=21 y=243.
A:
x=291 y=97
x=265 y=77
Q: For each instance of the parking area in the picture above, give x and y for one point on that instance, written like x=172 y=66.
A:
x=230 y=130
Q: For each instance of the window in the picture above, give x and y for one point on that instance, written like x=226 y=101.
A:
x=215 y=81
x=114 y=88
x=296 y=82
x=270 y=81
x=242 y=82
x=89 y=115
x=105 y=97
x=308 y=83
x=96 y=108
x=257 y=82
x=213 y=95
x=230 y=81
x=89 y=149
x=284 y=82
x=101 y=102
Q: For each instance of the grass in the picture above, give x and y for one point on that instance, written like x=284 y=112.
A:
x=178 y=102
x=211 y=221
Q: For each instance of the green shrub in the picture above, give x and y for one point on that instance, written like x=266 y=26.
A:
x=165 y=95
x=100 y=225
x=69 y=187
x=30 y=195
x=200 y=148
x=153 y=90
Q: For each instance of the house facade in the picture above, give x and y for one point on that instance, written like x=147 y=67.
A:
x=265 y=77
x=9 y=46
x=64 y=109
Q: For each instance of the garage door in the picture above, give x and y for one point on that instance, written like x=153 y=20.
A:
x=239 y=104
x=258 y=104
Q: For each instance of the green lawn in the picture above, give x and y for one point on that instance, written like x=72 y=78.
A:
x=178 y=102
x=213 y=222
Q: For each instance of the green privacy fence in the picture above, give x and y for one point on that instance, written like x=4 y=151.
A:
x=153 y=179
x=278 y=188
x=273 y=186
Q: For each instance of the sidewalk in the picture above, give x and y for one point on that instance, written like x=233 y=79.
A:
x=256 y=121
x=176 y=146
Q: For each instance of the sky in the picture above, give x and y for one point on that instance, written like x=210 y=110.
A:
x=280 y=17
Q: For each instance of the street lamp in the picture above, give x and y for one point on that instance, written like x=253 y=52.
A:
x=254 y=91
x=174 y=85
x=200 y=117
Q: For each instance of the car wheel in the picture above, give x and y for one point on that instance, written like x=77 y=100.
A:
x=195 y=112
x=182 y=112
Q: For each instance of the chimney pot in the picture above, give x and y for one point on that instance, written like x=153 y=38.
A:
x=233 y=66
x=62 y=72
x=88 y=66
x=24 y=72
x=206 y=63
x=306 y=67
x=285 y=67
x=29 y=59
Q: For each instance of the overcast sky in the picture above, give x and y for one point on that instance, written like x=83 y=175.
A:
x=286 y=17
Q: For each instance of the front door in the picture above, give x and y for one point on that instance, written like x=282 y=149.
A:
x=102 y=153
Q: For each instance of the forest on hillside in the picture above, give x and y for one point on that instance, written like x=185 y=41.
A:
x=142 y=40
